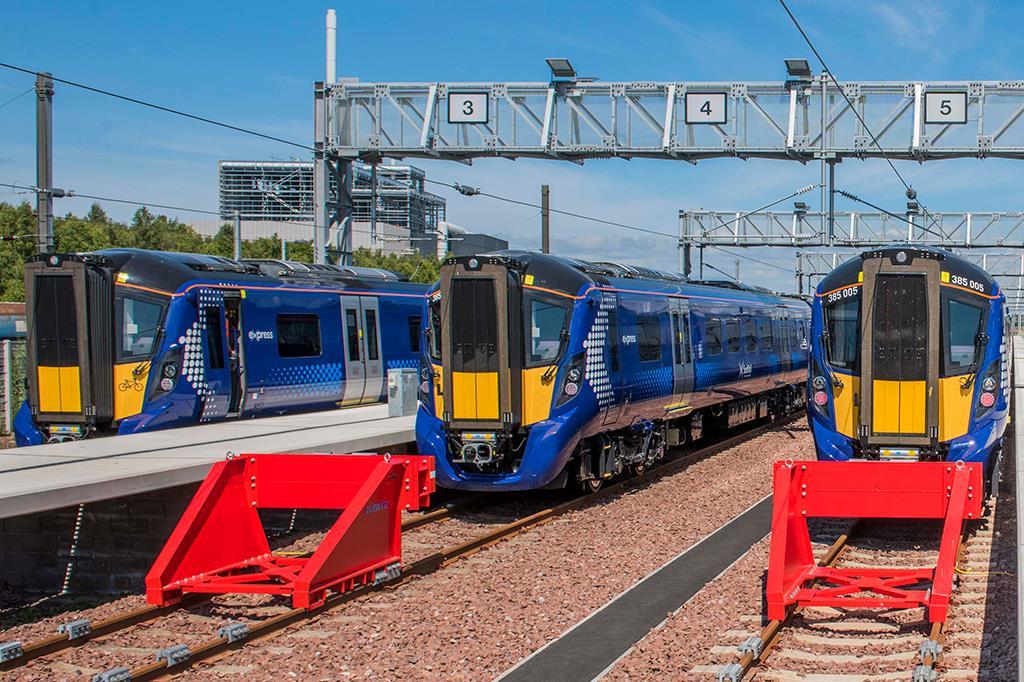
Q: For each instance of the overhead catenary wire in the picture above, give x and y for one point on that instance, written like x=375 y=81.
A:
x=16 y=98
x=160 y=107
x=911 y=193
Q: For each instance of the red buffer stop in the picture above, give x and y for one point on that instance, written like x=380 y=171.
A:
x=862 y=489
x=219 y=546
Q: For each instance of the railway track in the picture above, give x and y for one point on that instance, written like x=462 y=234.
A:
x=869 y=644
x=177 y=657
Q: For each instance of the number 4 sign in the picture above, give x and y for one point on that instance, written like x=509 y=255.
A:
x=706 y=107
x=467 y=107
x=945 y=107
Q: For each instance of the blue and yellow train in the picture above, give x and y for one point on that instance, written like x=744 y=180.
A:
x=127 y=340
x=910 y=359
x=540 y=371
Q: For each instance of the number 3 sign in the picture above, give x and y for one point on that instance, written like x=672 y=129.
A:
x=467 y=107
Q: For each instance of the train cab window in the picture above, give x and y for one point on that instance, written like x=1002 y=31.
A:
x=352 y=334
x=648 y=337
x=414 y=332
x=749 y=335
x=140 y=326
x=732 y=335
x=961 y=322
x=764 y=331
x=713 y=336
x=545 y=320
x=298 y=336
x=842 y=333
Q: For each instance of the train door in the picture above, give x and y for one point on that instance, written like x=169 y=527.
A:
x=355 y=360
x=216 y=383
x=373 y=389
x=899 y=361
x=235 y=351
x=682 y=353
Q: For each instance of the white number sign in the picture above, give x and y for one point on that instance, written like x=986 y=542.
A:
x=467 y=107
x=705 y=107
x=945 y=107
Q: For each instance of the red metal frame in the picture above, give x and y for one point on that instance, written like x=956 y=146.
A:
x=219 y=545
x=898 y=490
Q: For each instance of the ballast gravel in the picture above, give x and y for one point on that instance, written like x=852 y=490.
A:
x=478 y=617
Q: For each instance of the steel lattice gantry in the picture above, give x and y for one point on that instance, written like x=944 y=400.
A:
x=687 y=121
x=966 y=229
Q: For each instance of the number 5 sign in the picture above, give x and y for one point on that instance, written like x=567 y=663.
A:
x=945 y=107
x=705 y=107
x=467 y=107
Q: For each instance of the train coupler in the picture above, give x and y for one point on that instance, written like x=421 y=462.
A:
x=863 y=489
x=219 y=546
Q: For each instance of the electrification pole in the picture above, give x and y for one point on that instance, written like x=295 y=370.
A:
x=44 y=163
x=321 y=176
x=545 y=219
x=237 y=250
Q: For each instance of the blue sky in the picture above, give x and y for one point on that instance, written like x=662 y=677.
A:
x=253 y=64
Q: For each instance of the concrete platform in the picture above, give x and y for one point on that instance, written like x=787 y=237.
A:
x=44 y=477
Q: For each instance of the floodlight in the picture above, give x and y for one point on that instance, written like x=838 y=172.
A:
x=798 y=68
x=800 y=207
x=561 y=69
x=913 y=207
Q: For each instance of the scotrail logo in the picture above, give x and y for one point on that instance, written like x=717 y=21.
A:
x=260 y=335
x=745 y=370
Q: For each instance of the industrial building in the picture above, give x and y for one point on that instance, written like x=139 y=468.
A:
x=276 y=198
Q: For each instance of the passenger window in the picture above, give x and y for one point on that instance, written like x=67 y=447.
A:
x=372 y=353
x=414 y=333
x=298 y=336
x=764 y=329
x=794 y=341
x=648 y=337
x=352 y=331
x=750 y=335
x=677 y=339
x=685 y=332
x=732 y=335
x=713 y=336
x=214 y=338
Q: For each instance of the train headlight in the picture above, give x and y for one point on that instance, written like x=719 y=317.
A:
x=819 y=383
x=987 y=399
x=166 y=384
x=901 y=257
x=571 y=388
x=989 y=384
x=820 y=398
x=571 y=380
x=426 y=373
x=573 y=375
x=425 y=388
x=170 y=371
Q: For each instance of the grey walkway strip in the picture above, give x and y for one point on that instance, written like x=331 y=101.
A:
x=586 y=650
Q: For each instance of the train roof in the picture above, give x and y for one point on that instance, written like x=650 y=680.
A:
x=849 y=272
x=168 y=270
x=568 y=275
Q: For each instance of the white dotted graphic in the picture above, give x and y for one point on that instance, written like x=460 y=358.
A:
x=596 y=368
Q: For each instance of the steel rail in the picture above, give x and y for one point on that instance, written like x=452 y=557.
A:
x=58 y=642
x=438 y=560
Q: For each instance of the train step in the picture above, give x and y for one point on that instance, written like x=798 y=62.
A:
x=219 y=546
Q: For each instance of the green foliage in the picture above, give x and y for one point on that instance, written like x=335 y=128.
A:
x=416 y=266
x=95 y=230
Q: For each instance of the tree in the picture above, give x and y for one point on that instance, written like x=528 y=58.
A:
x=416 y=266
